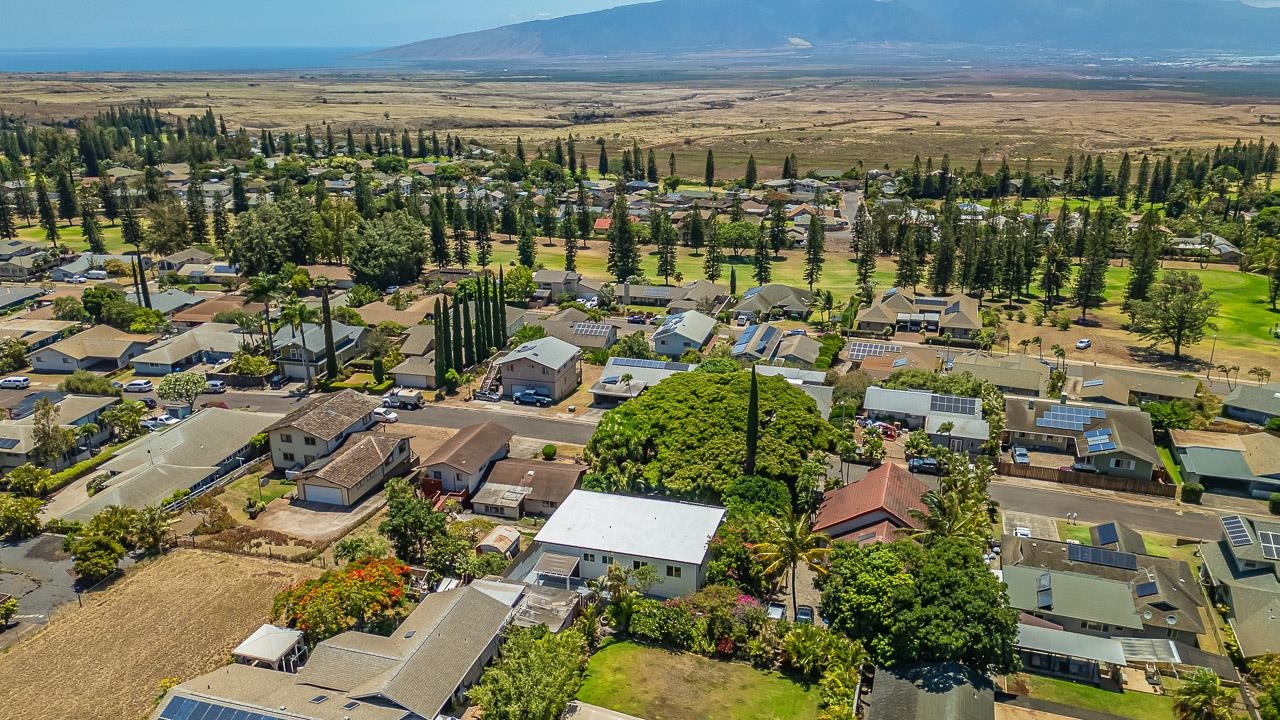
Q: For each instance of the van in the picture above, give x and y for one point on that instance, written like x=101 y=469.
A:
x=96 y=275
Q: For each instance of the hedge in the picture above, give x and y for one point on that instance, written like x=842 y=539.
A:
x=62 y=479
x=1192 y=492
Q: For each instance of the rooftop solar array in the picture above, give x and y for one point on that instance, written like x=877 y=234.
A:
x=181 y=708
x=864 y=350
x=1237 y=533
x=1147 y=589
x=635 y=362
x=953 y=404
x=1100 y=440
x=591 y=329
x=1099 y=556
x=1107 y=534
x=1096 y=382
x=1069 y=417
x=1270 y=543
x=7 y=443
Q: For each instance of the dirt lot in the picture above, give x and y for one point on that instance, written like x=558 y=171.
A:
x=176 y=617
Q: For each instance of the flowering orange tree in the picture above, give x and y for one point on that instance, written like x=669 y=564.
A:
x=367 y=595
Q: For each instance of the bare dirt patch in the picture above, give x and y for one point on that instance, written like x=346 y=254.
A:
x=176 y=617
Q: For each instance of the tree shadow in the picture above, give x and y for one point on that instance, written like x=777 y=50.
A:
x=1154 y=357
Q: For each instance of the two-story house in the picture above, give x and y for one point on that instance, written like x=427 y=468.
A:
x=548 y=366
x=678 y=334
x=316 y=429
x=302 y=355
x=461 y=462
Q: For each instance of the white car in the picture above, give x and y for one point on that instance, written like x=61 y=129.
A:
x=78 y=280
x=1084 y=344
x=1022 y=532
x=139 y=386
x=384 y=415
x=160 y=422
x=17 y=381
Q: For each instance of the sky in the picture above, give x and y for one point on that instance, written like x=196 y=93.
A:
x=265 y=23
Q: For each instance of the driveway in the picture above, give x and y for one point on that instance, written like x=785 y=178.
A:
x=317 y=522
x=35 y=571
x=1041 y=526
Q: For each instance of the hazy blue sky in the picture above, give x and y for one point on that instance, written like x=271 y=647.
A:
x=261 y=23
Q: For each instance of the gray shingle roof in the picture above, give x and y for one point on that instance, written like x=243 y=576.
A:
x=328 y=416
x=547 y=351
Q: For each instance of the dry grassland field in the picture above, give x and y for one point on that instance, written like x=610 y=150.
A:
x=176 y=617
x=828 y=122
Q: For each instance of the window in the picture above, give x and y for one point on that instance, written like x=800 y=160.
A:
x=308 y=459
x=435 y=475
x=588 y=557
x=549 y=503
x=493 y=509
x=1096 y=627
x=286 y=437
x=637 y=564
x=673 y=571
x=288 y=457
x=387 y=462
x=606 y=559
x=1123 y=464
x=309 y=441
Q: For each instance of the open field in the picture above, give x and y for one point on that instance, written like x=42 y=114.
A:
x=175 y=617
x=662 y=685
x=829 y=123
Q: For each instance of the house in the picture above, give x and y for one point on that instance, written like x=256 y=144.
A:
x=211 y=343
x=338 y=275
x=92 y=261
x=930 y=692
x=417 y=371
x=419 y=340
x=1128 y=387
x=1242 y=571
x=757 y=343
x=591 y=531
x=1208 y=245
x=303 y=355
x=795 y=376
x=13 y=297
x=516 y=488
x=17 y=434
x=770 y=301
x=463 y=460
x=583 y=334
x=950 y=421
x=419 y=671
x=1255 y=404
x=502 y=540
x=558 y=283
x=101 y=347
x=356 y=468
x=169 y=301
x=413 y=313
x=901 y=310
x=678 y=334
x=35 y=333
x=209 y=309
x=678 y=298
x=190 y=457
x=1011 y=374
x=1105 y=593
x=22 y=261
x=1114 y=440
x=799 y=350
x=625 y=378
x=271 y=647
x=1046 y=649
x=188 y=256
x=319 y=427
x=873 y=509
x=547 y=366
x=214 y=272
x=1245 y=464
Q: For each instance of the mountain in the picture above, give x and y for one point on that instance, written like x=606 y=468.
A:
x=806 y=27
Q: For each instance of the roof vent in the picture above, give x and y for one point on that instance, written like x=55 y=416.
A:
x=1146 y=615
x=1171 y=619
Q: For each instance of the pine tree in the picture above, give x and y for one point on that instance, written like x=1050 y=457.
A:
x=733 y=280
x=330 y=349
x=437 y=232
x=1144 y=253
x=664 y=235
x=406 y=149
x=435 y=145
x=328 y=140
x=483 y=233
x=813 y=251
x=753 y=426
x=48 y=220
x=603 y=165
x=197 y=220
x=762 y=262
x=628 y=169
x=942 y=269
x=363 y=195
x=88 y=229
x=455 y=348
x=8 y=228
x=777 y=228
x=908 y=274
x=1091 y=281
x=1122 y=180
x=468 y=337
x=1143 y=183
x=23 y=203
x=713 y=260
x=461 y=242
x=697 y=232
x=68 y=198
x=671 y=164
x=526 y=248
x=624 y=257
x=221 y=222
x=442 y=343
x=788 y=172
x=752 y=173
x=569 y=231
x=108 y=203
x=710 y=175
x=239 y=198
x=651 y=168
x=1098 y=178
x=484 y=319
x=520 y=149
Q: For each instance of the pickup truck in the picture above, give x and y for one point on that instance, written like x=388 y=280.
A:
x=531 y=397
x=403 y=399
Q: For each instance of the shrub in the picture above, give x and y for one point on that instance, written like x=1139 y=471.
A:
x=1192 y=492
x=1022 y=316
x=8 y=609
x=1064 y=323
x=548 y=452
x=1273 y=503
x=669 y=624
x=1274 y=424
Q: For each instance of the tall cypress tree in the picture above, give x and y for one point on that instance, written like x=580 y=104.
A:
x=469 y=354
x=526 y=248
x=651 y=168
x=455 y=348
x=8 y=228
x=500 y=312
x=442 y=352
x=197 y=219
x=710 y=175
x=569 y=230
x=753 y=426
x=44 y=207
x=484 y=337
x=239 y=198
x=221 y=223
x=88 y=228
x=439 y=237
x=762 y=269
x=326 y=316
x=752 y=173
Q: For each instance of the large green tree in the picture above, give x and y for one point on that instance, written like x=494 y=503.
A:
x=389 y=250
x=1145 y=249
x=1177 y=311
x=535 y=676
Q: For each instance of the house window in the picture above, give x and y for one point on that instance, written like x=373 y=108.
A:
x=1123 y=464
x=1096 y=627
x=606 y=559
x=673 y=571
x=548 y=503
x=588 y=557
x=288 y=457
x=637 y=564
x=309 y=441
x=286 y=438
x=493 y=509
x=435 y=475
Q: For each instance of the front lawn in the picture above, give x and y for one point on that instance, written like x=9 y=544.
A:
x=1135 y=705
x=1171 y=467
x=1079 y=533
x=660 y=685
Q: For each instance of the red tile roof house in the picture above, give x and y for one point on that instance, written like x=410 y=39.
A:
x=872 y=509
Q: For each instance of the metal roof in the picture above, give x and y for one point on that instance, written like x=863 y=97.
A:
x=1069 y=644
x=641 y=527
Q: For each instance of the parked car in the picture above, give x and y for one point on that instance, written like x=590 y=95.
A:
x=887 y=431
x=804 y=615
x=392 y=289
x=77 y=280
x=215 y=387
x=160 y=422
x=139 y=386
x=1084 y=344
x=384 y=415
x=1080 y=468
x=776 y=611
x=17 y=381
x=1021 y=456
x=637 y=319
x=1022 y=532
x=924 y=466
x=531 y=397
x=403 y=398
x=797 y=331
x=149 y=403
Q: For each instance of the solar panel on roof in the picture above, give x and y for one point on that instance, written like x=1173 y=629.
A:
x=1100 y=432
x=8 y=443
x=1147 y=589
x=592 y=329
x=181 y=708
x=1237 y=533
x=635 y=362
x=1096 y=382
x=953 y=404
x=1100 y=556
x=1107 y=534
x=900 y=362
x=1270 y=543
x=1105 y=447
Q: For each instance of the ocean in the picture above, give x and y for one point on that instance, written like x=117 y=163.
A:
x=186 y=59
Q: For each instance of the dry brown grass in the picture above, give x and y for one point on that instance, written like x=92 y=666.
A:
x=176 y=617
x=828 y=123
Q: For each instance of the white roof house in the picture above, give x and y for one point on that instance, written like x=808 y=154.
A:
x=634 y=526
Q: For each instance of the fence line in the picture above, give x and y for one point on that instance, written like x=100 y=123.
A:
x=1089 y=480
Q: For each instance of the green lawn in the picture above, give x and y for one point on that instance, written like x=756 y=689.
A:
x=659 y=685
x=1079 y=533
x=1135 y=705
x=71 y=237
x=1175 y=472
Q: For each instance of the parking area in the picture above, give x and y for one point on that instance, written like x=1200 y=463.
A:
x=35 y=571
x=1041 y=526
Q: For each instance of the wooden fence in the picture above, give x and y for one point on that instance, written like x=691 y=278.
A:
x=1089 y=480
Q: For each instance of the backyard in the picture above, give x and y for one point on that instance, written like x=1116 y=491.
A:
x=660 y=685
x=1134 y=705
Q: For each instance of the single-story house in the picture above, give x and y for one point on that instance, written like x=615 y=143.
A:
x=316 y=428
x=169 y=301
x=17 y=434
x=800 y=350
x=872 y=509
x=930 y=692
x=35 y=333
x=1248 y=464
x=678 y=334
x=92 y=261
x=1214 y=247
x=548 y=366
x=215 y=272
x=356 y=468
x=12 y=297
x=950 y=421
x=1012 y=374
x=339 y=275
x=1113 y=439
x=613 y=389
x=502 y=540
x=418 y=340
x=191 y=255
x=1255 y=404
x=583 y=334
x=463 y=460
x=591 y=531
x=417 y=371
x=1125 y=387
x=769 y=301
x=210 y=343
x=901 y=310
x=101 y=347
x=207 y=310
x=302 y=355
x=1241 y=571
x=757 y=343
x=516 y=488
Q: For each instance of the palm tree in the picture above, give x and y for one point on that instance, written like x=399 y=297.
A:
x=1262 y=374
x=149 y=527
x=1039 y=343
x=297 y=314
x=87 y=432
x=1024 y=343
x=1202 y=697
x=264 y=288
x=958 y=508
x=791 y=541
x=824 y=303
x=1060 y=353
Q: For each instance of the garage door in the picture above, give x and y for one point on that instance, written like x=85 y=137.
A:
x=333 y=496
